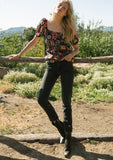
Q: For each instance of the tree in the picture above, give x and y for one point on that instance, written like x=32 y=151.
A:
x=29 y=33
x=11 y=44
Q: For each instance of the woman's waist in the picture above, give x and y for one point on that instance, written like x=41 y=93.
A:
x=52 y=58
x=57 y=56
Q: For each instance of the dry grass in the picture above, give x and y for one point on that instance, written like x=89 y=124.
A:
x=22 y=115
x=6 y=87
x=16 y=119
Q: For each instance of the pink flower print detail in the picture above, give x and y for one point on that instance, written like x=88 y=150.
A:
x=47 y=47
x=37 y=34
x=54 y=35
x=53 y=51
x=57 y=57
x=69 y=49
x=60 y=53
x=49 y=36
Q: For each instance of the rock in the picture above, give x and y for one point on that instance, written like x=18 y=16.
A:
x=3 y=71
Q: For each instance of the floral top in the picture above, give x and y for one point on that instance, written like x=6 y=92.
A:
x=55 y=45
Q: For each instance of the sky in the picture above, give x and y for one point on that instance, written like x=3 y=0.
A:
x=28 y=13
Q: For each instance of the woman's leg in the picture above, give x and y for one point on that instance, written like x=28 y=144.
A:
x=67 y=76
x=48 y=81
x=47 y=84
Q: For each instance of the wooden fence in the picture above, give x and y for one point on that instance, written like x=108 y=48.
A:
x=42 y=60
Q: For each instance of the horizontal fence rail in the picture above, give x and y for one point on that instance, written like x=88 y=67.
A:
x=42 y=59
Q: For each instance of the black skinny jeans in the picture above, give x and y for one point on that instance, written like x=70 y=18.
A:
x=53 y=71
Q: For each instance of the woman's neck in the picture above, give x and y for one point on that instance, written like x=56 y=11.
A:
x=57 y=20
x=55 y=24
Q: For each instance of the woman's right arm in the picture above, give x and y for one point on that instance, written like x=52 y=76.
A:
x=31 y=44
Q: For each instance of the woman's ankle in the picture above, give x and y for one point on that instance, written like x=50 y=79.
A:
x=60 y=127
x=68 y=140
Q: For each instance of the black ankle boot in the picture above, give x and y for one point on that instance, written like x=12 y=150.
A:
x=60 y=126
x=67 y=148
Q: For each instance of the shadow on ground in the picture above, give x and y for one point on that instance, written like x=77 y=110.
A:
x=78 y=149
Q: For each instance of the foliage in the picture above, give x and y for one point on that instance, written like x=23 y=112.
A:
x=29 y=33
x=14 y=43
x=36 y=51
x=11 y=44
x=29 y=90
x=91 y=85
x=96 y=85
x=94 y=43
x=20 y=77
x=102 y=83
x=37 y=69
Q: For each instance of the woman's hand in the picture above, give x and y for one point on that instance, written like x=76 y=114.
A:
x=71 y=55
x=68 y=58
x=16 y=56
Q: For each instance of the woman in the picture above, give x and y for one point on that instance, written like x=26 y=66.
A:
x=61 y=45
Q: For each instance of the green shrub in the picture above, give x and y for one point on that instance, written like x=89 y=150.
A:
x=29 y=90
x=10 y=44
x=82 y=78
x=82 y=71
x=36 y=68
x=21 y=77
x=37 y=51
x=91 y=85
x=95 y=86
x=102 y=83
x=56 y=92
x=94 y=43
x=40 y=71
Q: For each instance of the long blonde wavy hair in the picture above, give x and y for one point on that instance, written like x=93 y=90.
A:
x=68 y=24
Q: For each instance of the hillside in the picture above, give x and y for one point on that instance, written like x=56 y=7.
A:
x=106 y=29
x=21 y=29
x=13 y=30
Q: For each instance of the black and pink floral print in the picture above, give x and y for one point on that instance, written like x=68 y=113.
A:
x=55 y=45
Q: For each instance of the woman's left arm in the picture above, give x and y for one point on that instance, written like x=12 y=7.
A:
x=74 y=44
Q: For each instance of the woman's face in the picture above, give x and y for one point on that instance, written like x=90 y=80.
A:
x=61 y=9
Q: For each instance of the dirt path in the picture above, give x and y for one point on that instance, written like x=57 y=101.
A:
x=22 y=116
x=36 y=151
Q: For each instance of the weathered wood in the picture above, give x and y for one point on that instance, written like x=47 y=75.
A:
x=24 y=59
x=93 y=59
x=42 y=60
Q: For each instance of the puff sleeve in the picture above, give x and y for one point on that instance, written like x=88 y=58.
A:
x=41 y=28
